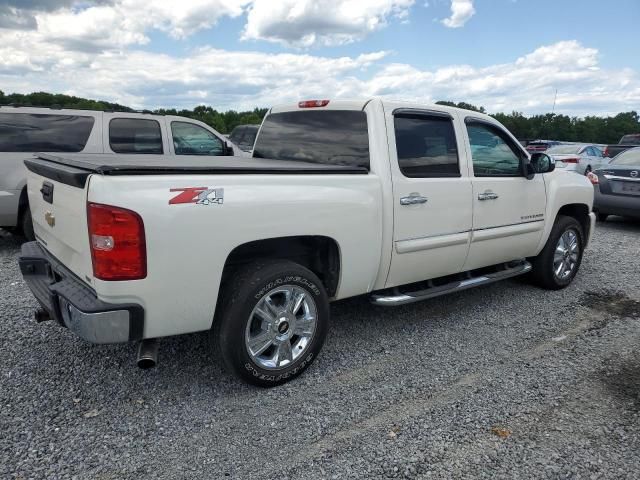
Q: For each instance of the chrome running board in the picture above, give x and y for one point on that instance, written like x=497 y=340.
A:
x=395 y=296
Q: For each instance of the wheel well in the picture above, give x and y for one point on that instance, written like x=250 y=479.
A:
x=23 y=202
x=580 y=212
x=319 y=254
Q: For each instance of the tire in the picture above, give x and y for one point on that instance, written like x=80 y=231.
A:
x=26 y=225
x=602 y=217
x=546 y=264
x=253 y=326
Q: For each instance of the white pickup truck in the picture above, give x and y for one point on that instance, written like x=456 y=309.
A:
x=396 y=200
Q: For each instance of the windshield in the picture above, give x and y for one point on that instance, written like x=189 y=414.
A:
x=334 y=137
x=628 y=157
x=565 y=149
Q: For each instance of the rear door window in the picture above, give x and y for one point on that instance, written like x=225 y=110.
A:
x=333 y=137
x=426 y=146
x=135 y=135
x=191 y=139
x=30 y=132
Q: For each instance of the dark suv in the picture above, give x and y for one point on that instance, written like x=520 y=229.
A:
x=244 y=136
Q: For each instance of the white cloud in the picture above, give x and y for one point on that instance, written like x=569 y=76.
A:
x=304 y=23
x=528 y=84
x=114 y=24
x=244 y=80
x=461 y=12
x=96 y=52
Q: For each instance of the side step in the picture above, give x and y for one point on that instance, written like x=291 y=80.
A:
x=391 y=298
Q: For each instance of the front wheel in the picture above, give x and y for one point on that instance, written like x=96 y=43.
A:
x=272 y=323
x=557 y=264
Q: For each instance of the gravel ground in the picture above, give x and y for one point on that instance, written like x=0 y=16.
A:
x=505 y=381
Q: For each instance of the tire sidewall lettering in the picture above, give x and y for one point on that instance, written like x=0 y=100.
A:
x=283 y=376
x=296 y=279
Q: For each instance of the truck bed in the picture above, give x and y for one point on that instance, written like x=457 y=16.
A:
x=74 y=169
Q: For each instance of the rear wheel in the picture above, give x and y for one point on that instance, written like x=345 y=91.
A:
x=557 y=264
x=273 y=322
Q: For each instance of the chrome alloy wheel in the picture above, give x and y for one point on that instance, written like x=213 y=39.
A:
x=280 y=327
x=565 y=258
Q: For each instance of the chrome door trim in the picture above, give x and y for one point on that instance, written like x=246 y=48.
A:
x=506 y=230
x=428 y=243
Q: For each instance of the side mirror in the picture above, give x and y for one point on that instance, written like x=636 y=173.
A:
x=228 y=150
x=542 y=163
x=529 y=171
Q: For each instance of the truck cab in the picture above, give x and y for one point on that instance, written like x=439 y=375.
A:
x=395 y=200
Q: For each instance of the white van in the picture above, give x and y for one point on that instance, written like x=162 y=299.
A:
x=27 y=130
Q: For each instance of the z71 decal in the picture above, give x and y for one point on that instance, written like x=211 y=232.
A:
x=198 y=195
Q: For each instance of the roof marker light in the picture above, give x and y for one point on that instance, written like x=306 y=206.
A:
x=313 y=103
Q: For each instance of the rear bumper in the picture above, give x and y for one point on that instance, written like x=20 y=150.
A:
x=612 y=204
x=74 y=305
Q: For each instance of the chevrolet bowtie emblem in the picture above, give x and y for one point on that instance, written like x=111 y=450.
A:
x=50 y=218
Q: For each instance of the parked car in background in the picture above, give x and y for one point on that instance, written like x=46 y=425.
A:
x=625 y=143
x=401 y=201
x=617 y=186
x=27 y=130
x=577 y=158
x=540 y=145
x=244 y=136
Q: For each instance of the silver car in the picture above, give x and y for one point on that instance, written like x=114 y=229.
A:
x=581 y=158
x=27 y=130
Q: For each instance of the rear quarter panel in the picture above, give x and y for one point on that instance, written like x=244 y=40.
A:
x=188 y=244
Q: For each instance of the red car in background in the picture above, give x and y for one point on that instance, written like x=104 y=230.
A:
x=540 y=145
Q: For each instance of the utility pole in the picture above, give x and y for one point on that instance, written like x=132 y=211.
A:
x=554 y=102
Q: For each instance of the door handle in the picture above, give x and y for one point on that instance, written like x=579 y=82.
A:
x=413 y=199
x=487 y=196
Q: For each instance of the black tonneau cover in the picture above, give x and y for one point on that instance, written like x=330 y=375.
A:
x=74 y=169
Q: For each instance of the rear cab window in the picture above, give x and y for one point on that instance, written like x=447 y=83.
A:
x=426 y=145
x=31 y=132
x=135 y=135
x=332 y=137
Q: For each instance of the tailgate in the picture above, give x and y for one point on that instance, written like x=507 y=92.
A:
x=59 y=212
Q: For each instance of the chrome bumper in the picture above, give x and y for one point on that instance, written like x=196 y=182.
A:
x=73 y=304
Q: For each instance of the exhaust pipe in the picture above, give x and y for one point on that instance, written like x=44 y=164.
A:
x=148 y=353
x=41 y=315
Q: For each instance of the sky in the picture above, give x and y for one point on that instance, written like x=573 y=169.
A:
x=505 y=55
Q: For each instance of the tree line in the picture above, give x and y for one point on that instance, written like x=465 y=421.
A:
x=590 y=129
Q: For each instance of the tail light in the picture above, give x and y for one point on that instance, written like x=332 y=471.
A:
x=570 y=160
x=593 y=178
x=118 y=245
x=313 y=103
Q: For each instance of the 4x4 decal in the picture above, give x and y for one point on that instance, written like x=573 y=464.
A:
x=198 y=195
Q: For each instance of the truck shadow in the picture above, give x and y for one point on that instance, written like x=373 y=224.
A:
x=620 y=224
